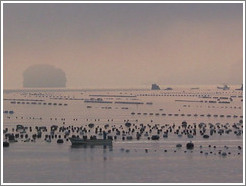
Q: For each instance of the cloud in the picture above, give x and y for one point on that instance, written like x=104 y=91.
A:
x=44 y=76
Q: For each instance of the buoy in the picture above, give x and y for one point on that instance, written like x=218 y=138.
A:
x=129 y=137
x=190 y=145
x=223 y=154
x=206 y=136
x=165 y=135
x=60 y=141
x=184 y=124
x=179 y=145
x=190 y=136
x=155 y=137
x=91 y=125
x=127 y=124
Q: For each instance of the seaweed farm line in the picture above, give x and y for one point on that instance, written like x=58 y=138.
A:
x=162 y=136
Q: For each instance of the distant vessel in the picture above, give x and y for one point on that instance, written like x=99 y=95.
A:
x=224 y=88
x=195 y=88
x=169 y=88
x=155 y=87
x=240 y=88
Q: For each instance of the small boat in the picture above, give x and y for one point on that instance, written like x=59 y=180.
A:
x=225 y=87
x=80 y=141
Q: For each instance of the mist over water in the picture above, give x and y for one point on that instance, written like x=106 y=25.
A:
x=82 y=73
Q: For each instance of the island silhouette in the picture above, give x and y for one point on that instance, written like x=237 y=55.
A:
x=44 y=76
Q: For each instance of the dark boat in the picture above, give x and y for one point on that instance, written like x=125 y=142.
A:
x=80 y=141
x=155 y=87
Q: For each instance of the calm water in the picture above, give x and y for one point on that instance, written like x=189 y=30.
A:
x=128 y=161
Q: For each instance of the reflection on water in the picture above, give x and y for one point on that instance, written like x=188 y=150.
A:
x=134 y=156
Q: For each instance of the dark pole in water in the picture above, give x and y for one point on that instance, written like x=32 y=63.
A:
x=104 y=135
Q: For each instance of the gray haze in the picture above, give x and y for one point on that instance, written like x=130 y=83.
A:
x=125 y=45
x=43 y=76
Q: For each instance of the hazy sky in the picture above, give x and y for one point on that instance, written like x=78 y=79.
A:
x=125 y=45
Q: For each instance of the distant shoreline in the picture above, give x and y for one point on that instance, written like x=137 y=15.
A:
x=112 y=89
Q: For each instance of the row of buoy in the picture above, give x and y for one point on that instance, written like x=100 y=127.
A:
x=38 y=103
x=189 y=115
x=22 y=117
x=205 y=130
x=224 y=107
x=189 y=146
x=178 y=94
x=8 y=112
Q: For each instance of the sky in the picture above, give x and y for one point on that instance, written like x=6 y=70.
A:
x=125 y=45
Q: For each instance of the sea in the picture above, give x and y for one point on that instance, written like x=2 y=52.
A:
x=216 y=158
